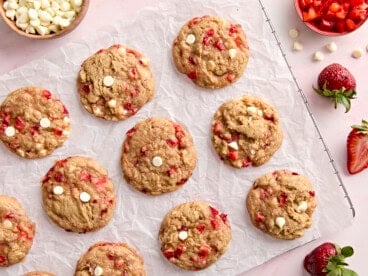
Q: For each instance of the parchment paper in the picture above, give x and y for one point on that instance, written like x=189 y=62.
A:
x=137 y=218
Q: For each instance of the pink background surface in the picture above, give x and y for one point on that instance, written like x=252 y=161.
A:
x=334 y=124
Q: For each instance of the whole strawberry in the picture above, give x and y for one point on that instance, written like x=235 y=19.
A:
x=329 y=259
x=336 y=82
x=357 y=148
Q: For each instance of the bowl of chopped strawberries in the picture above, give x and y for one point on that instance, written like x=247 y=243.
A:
x=332 y=17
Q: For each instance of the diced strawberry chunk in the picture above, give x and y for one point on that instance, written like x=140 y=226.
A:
x=182 y=181
x=230 y=77
x=214 y=212
x=206 y=40
x=58 y=177
x=233 y=155
x=46 y=94
x=100 y=51
x=214 y=223
x=246 y=163
x=173 y=142
x=223 y=217
x=179 y=251
x=217 y=127
x=172 y=170
x=35 y=130
x=204 y=250
x=132 y=73
x=194 y=21
x=130 y=132
x=201 y=228
x=118 y=263
x=144 y=151
x=20 y=124
x=312 y=193
x=193 y=75
x=84 y=176
x=238 y=41
x=192 y=60
x=260 y=217
x=126 y=146
x=85 y=89
x=350 y=24
x=282 y=199
x=219 y=44
x=310 y=15
x=9 y=215
x=169 y=254
x=6 y=120
x=110 y=256
x=211 y=32
x=2 y=259
x=65 y=110
x=58 y=131
x=233 y=29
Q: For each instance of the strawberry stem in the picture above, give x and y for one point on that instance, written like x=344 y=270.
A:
x=339 y=96
x=363 y=128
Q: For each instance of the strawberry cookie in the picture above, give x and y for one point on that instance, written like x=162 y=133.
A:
x=158 y=156
x=281 y=204
x=78 y=195
x=16 y=231
x=113 y=259
x=194 y=235
x=115 y=83
x=246 y=131
x=211 y=51
x=33 y=122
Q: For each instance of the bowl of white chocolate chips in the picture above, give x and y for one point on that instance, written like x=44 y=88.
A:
x=43 y=19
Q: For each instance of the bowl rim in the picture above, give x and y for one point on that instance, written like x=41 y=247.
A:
x=78 y=19
x=317 y=30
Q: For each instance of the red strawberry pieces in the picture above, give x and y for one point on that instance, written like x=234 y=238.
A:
x=328 y=259
x=337 y=83
x=357 y=148
x=337 y=16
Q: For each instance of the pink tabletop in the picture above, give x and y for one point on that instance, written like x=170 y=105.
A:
x=334 y=124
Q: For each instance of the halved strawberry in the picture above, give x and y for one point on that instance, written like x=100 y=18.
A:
x=357 y=148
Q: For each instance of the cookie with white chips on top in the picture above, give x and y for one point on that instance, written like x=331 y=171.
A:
x=112 y=259
x=115 y=83
x=281 y=204
x=194 y=235
x=158 y=156
x=78 y=195
x=246 y=131
x=33 y=122
x=211 y=51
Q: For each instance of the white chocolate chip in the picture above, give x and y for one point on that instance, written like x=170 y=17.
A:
x=318 y=56
x=42 y=30
x=37 y=4
x=108 y=81
x=12 y=5
x=30 y=30
x=211 y=65
x=145 y=61
x=297 y=46
x=280 y=222
x=76 y=3
x=38 y=146
x=293 y=33
x=7 y=224
x=331 y=47
x=66 y=132
x=58 y=190
x=252 y=109
x=232 y=53
x=65 y=6
x=122 y=50
x=260 y=113
x=112 y=103
x=84 y=197
x=252 y=152
x=98 y=271
x=302 y=207
x=42 y=152
x=190 y=39
x=357 y=53
x=66 y=120
x=45 y=123
x=157 y=161
x=234 y=145
x=183 y=235
x=10 y=131
x=32 y=14
x=10 y=14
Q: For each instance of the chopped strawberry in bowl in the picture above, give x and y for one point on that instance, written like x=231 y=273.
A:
x=332 y=17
